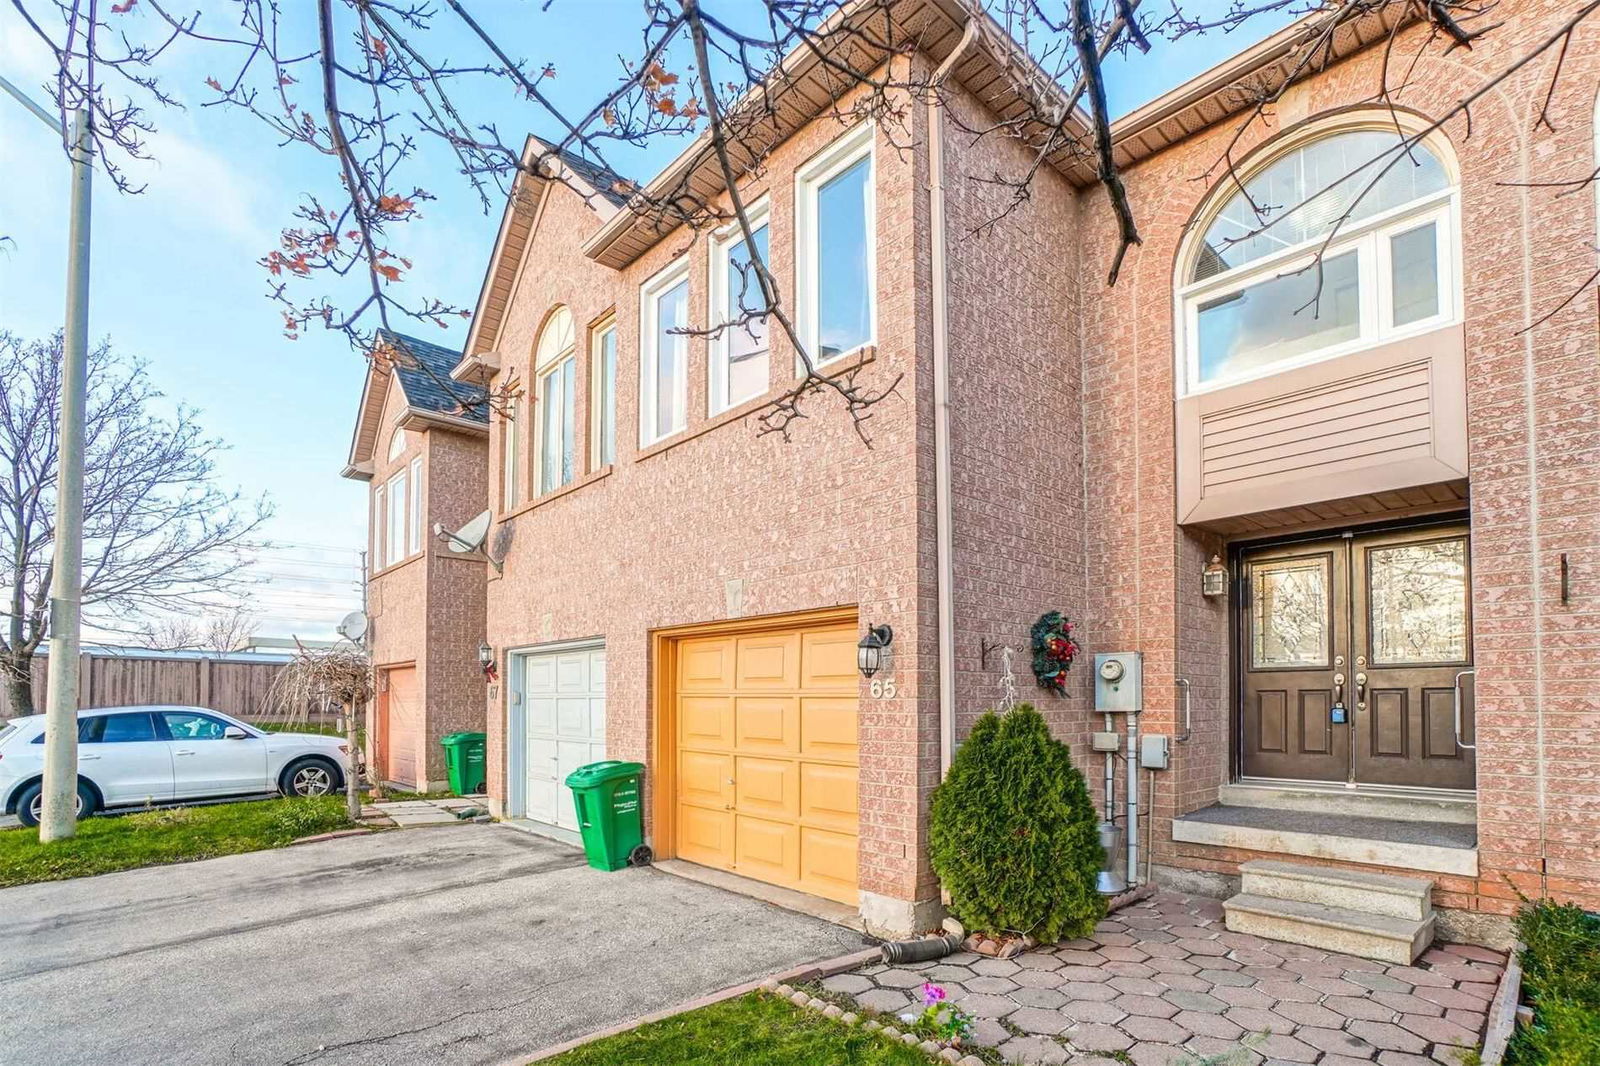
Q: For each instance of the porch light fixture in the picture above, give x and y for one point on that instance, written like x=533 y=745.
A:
x=485 y=655
x=1214 y=579
x=870 y=652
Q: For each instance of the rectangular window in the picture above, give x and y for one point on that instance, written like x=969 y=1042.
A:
x=603 y=396
x=834 y=248
x=1414 y=274
x=1290 y=613
x=396 y=526
x=416 y=506
x=739 y=352
x=1280 y=318
x=509 y=465
x=378 y=517
x=663 y=355
x=556 y=425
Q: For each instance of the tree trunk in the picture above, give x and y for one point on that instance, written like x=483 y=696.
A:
x=18 y=673
x=352 y=774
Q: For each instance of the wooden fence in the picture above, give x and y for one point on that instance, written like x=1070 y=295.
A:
x=235 y=684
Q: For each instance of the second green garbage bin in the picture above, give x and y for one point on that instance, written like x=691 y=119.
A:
x=607 y=797
x=463 y=756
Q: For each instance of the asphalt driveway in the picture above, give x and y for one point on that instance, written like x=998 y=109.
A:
x=456 y=944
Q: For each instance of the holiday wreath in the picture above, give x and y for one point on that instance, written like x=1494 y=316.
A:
x=1053 y=651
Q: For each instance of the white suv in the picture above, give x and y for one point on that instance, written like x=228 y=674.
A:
x=137 y=756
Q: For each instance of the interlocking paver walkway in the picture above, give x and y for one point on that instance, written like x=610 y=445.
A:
x=1164 y=983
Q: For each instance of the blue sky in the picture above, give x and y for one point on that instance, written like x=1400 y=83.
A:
x=174 y=277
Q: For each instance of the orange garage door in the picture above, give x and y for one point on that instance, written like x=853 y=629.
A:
x=401 y=722
x=766 y=759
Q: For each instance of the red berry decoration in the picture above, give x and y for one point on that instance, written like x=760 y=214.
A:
x=1053 y=651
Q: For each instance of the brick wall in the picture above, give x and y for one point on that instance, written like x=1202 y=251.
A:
x=1534 y=428
x=721 y=522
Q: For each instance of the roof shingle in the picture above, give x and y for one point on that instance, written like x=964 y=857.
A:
x=425 y=379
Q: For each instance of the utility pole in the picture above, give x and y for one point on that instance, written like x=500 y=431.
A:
x=59 y=817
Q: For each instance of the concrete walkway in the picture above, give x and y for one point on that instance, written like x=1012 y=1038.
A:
x=1163 y=983
x=408 y=814
x=465 y=945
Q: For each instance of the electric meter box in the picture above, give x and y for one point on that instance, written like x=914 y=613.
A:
x=1118 y=682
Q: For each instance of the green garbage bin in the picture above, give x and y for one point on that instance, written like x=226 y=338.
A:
x=463 y=756
x=607 y=798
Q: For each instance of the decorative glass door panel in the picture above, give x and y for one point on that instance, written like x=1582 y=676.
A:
x=1354 y=648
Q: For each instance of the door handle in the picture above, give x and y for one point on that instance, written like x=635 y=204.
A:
x=1338 y=690
x=184 y=751
x=1361 y=689
x=87 y=758
x=1456 y=687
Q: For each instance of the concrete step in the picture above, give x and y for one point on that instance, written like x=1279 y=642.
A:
x=1371 y=936
x=1388 y=895
x=1397 y=805
x=1440 y=847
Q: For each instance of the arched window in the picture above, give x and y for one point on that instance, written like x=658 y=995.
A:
x=397 y=444
x=555 y=370
x=1377 y=204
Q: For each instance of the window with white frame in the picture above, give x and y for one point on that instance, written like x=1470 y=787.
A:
x=835 y=254
x=510 y=467
x=663 y=353
x=377 y=528
x=395 y=526
x=555 y=367
x=397 y=444
x=414 y=541
x=603 y=395
x=738 y=370
x=1267 y=288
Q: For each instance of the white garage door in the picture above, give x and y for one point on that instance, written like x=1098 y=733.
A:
x=564 y=696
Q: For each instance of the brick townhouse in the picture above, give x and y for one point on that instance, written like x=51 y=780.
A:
x=1353 y=548
x=421 y=442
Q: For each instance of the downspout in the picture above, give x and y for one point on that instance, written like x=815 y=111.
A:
x=943 y=516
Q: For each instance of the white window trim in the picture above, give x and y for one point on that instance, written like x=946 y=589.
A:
x=380 y=525
x=723 y=241
x=414 y=503
x=397 y=444
x=859 y=143
x=509 y=448
x=1370 y=239
x=394 y=520
x=597 y=396
x=550 y=378
x=649 y=293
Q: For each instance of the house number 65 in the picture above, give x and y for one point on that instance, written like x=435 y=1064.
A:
x=883 y=690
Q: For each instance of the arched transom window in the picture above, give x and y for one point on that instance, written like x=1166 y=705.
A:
x=555 y=368
x=1255 y=297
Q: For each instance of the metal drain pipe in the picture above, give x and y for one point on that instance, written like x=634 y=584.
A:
x=1133 y=799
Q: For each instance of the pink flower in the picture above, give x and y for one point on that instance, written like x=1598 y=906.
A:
x=931 y=994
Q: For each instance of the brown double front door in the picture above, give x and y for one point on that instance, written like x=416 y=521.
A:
x=1352 y=651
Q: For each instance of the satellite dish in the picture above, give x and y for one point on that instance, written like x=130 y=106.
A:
x=470 y=537
x=354 y=626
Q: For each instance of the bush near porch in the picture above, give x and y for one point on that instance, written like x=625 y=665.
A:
x=169 y=835
x=1561 y=974
x=1013 y=834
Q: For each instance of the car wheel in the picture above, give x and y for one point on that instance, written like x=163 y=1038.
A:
x=310 y=777
x=30 y=803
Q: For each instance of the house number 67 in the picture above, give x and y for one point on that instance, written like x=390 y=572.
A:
x=883 y=690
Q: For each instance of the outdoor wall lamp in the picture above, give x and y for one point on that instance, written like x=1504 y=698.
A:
x=486 y=660
x=1214 y=579
x=870 y=652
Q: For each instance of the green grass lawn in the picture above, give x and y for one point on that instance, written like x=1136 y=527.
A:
x=154 y=838
x=751 y=1030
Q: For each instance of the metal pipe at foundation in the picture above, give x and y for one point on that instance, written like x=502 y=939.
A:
x=1132 y=823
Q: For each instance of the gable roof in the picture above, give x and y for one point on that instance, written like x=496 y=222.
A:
x=422 y=372
x=425 y=379
x=543 y=166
